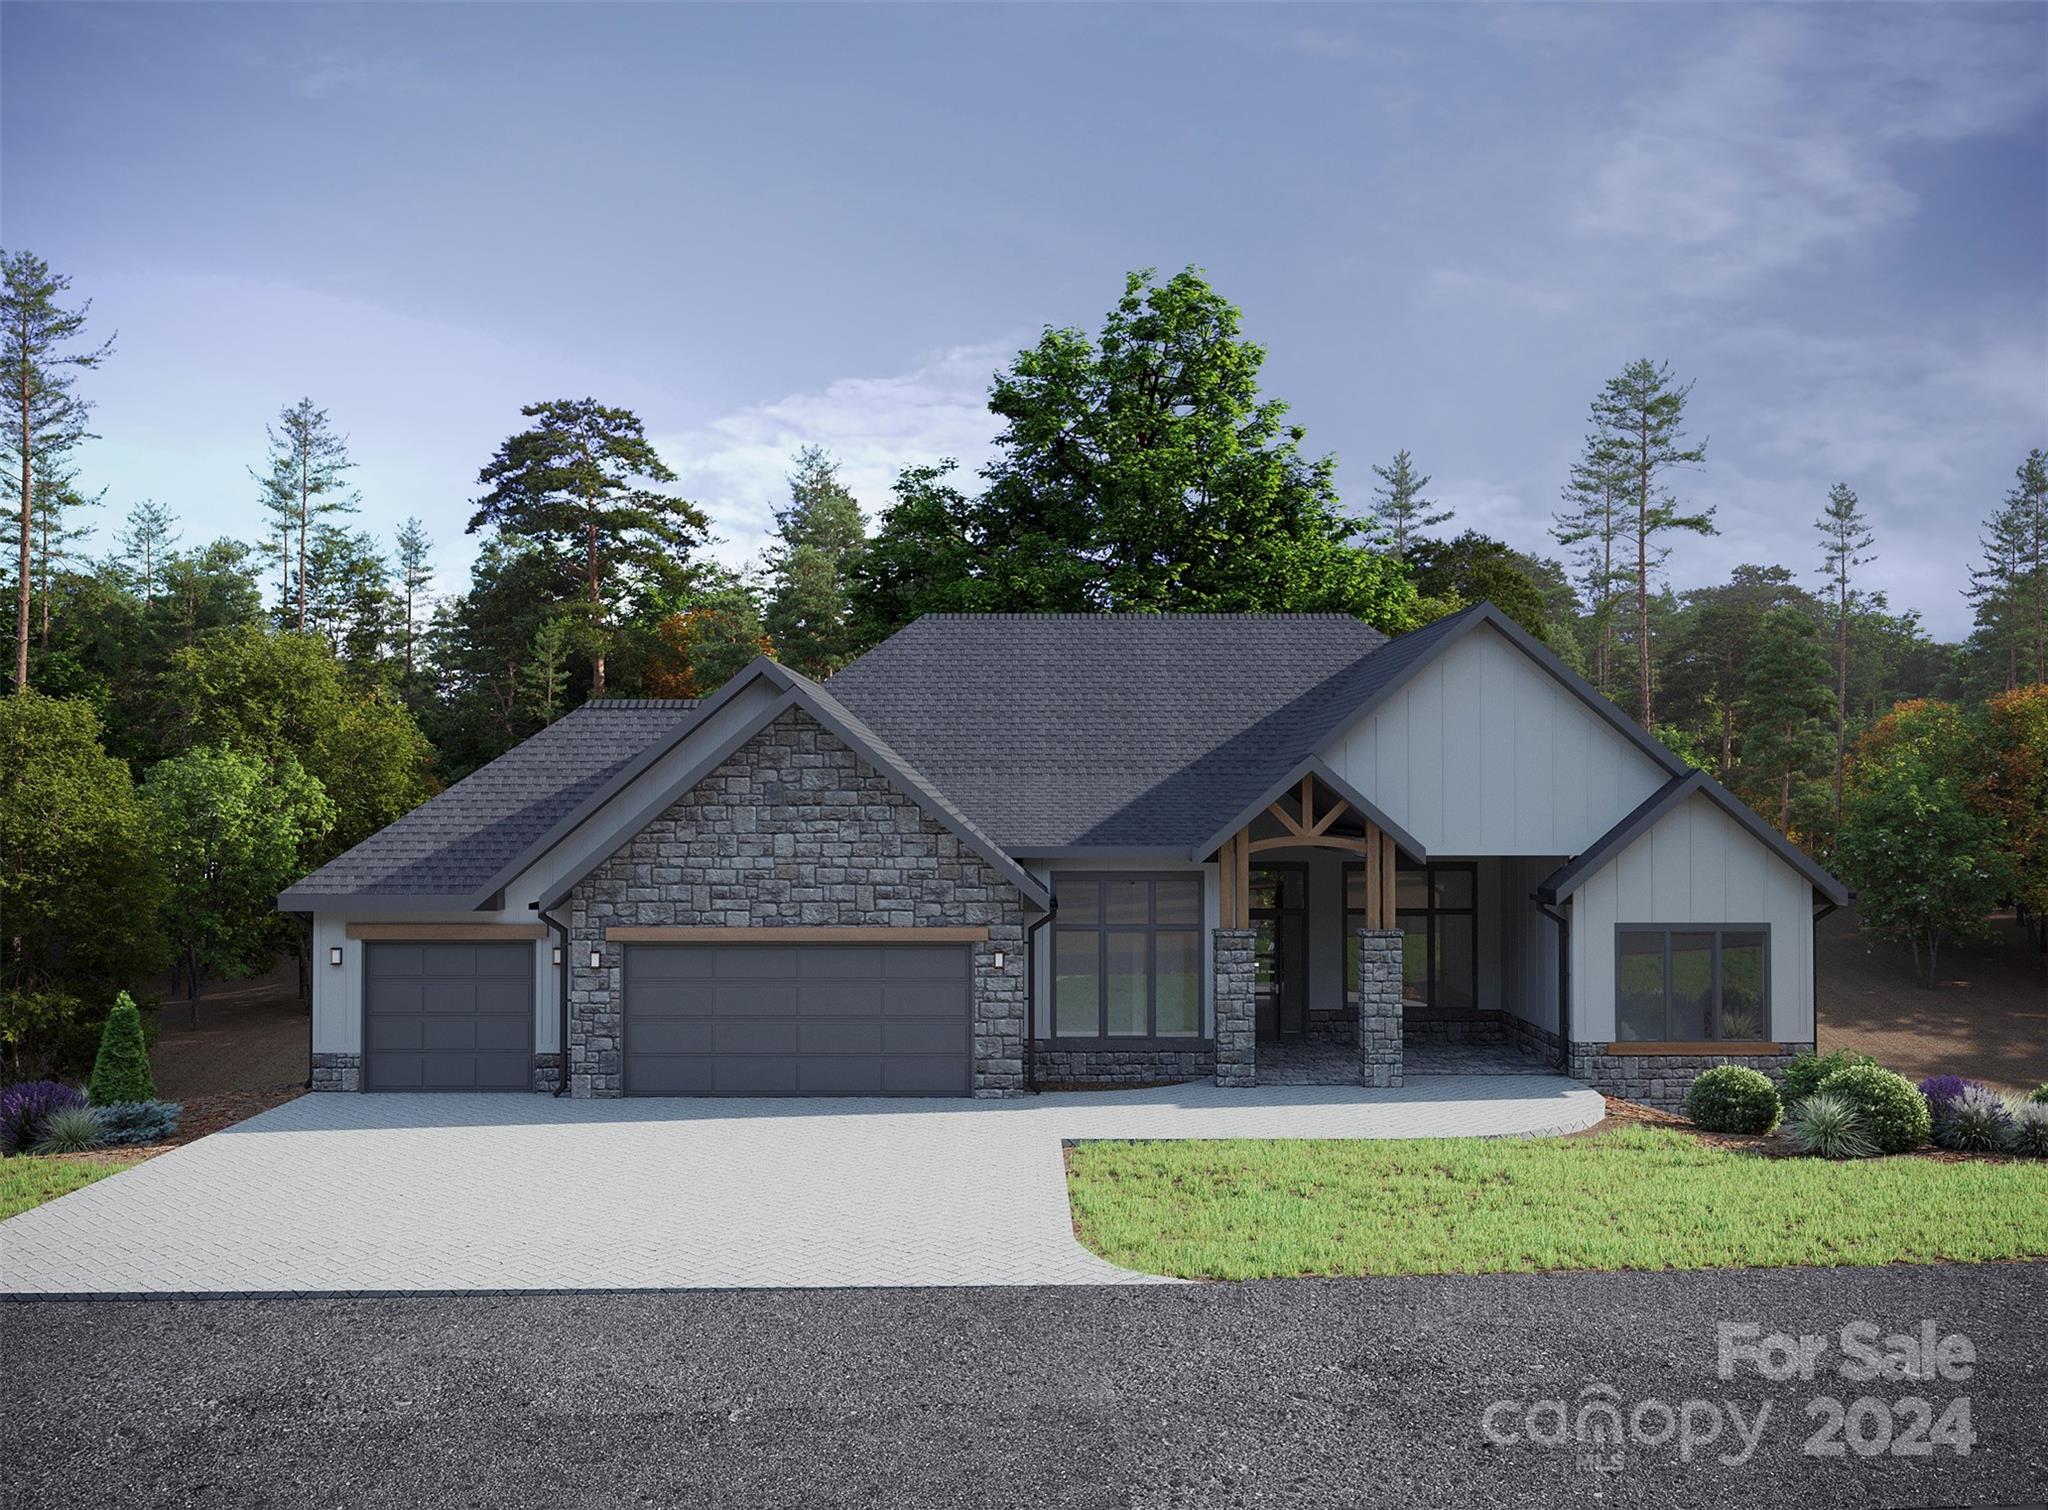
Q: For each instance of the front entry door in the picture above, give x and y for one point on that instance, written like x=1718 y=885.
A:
x=1279 y=915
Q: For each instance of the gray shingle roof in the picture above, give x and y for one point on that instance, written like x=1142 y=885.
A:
x=1113 y=730
x=458 y=841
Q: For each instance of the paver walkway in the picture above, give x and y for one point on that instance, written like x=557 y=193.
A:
x=338 y=1194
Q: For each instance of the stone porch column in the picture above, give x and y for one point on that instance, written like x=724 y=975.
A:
x=1236 y=1007
x=1379 y=1007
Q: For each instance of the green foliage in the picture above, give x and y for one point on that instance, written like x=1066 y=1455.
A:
x=1806 y=1070
x=2030 y=1129
x=703 y=645
x=47 y=1033
x=1831 y=1126
x=1894 y=1112
x=78 y=883
x=303 y=484
x=2014 y=788
x=272 y=696
x=1474 y=568
x=1141 y=470
x=1789 y=746
x=820 y=539
x=232 y=831
x=1733 y=1098
x=580 y=487
x=121 y=1071
x=2011 y=588
x=1400 y=510
x=1928 y=863
x=2039 y=1095
x=70 y=1129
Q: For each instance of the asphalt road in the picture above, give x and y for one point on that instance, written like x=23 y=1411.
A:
x=1322 y=1393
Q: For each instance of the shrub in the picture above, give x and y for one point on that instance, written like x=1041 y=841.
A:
x=25 y=1107
x=138 y=1121
x=46 y=1035
x=121 y=1073
x=70 y=1129
x=1894 y=1113
x=1940 y=1090
x=1829 y=1126
x=1807 y=1069
x=1732 y=1098
x=1976 y=1121
x=2040 y=1096
x=2030 y=1129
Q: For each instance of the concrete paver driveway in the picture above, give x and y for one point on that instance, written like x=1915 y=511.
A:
x=340 y=1194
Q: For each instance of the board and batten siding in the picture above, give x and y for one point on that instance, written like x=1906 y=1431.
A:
x=1695 y=865
x=1484 y=752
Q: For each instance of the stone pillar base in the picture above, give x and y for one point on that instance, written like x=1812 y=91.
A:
x=1236 y=1007
x=337 y=1072
x=1379 y=1007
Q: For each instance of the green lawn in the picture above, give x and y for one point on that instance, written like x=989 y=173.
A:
x=28 y=1180
x=1636 y=1198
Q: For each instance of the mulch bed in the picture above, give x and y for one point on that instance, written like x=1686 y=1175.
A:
x=1770 y=1146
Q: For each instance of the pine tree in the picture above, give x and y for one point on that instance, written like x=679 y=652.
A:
x=1789 y=708
x=1592 y=523
x=57 y=498
x=1644 y=411
x=1399 y=506
x=577 y=485
x=349 y=602
x=820 y=537
x=306 y=485
x=46 y=417
x=415 y=577
x=1845 y=537
x=544 y=678
x=2011 y=588
x=145 y=547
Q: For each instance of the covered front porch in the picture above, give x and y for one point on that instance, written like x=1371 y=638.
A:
x=1368 y=962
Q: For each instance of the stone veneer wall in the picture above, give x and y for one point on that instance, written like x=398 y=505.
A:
x=1235 y=1004
x=1661 y=1080
x=337 y=1072
x=1379 y=1007
x=547 y=1071
x=1058 y=1065
x=794 y=829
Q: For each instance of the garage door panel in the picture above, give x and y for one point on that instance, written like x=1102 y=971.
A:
x=920 y=1075
x=924 y=1038
x=454 y=1016
x=839 y=964
x=851 y=998
x=780 y=1020
x=839 y=1038
x=918 y=999
x=924 y=964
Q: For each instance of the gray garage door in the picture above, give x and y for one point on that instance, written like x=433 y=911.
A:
x=797 y=1020
x=448 y=1017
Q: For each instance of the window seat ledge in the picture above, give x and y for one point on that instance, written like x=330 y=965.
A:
x=1700 y=1046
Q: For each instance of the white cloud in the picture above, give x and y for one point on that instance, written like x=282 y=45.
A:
x=737 y=466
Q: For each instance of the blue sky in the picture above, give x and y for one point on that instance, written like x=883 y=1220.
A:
x=761 y=227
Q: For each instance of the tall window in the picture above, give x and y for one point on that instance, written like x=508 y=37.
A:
x=1127 y=956
x=1682 y=984
x=1437 y=908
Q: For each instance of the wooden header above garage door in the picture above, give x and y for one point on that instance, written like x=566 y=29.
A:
x=447 y=933
x=795 y=935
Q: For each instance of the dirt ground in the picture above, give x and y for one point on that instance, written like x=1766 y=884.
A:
x=1986 y=1019
x=248 y=1053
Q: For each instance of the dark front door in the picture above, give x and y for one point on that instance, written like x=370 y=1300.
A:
x=1279 y=897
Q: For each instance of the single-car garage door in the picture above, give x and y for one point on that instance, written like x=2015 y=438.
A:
x=797 y=1020
x=448 y=1017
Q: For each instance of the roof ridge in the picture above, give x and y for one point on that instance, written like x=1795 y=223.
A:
x=1144 y=617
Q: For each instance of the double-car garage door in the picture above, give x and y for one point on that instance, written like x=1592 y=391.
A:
x=797 y=1020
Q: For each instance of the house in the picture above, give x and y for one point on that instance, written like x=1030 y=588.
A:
x=1005 y=852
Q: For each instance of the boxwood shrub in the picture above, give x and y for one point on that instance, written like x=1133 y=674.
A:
x=1803 y=1075
x=1894 y=1113
x=1732 y=1098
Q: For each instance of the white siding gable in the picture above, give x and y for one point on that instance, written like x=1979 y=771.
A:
x=1484 y=752
x=1695 y=865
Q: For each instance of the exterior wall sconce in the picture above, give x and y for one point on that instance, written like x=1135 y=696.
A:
x=557 y=959
x=597 y=959
x=999 y=959
x=334 y=955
